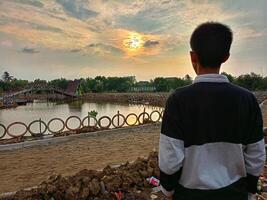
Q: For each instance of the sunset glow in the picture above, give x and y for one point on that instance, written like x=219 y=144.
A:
x=133 y=44
x=81 y=38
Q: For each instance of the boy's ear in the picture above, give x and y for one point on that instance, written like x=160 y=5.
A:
x=193 y=56
x=226 y=58
x=194 y=61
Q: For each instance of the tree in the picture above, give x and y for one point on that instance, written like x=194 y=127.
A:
x=188 y=79
x=99 y=86
x=229 y=76
x=250 y=81
x=161 y=84
x=61 y=83
x=6 y=77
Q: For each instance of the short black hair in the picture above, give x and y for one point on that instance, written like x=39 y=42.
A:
x=211 y=41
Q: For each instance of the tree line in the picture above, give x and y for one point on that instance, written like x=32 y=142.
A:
x=8 y=83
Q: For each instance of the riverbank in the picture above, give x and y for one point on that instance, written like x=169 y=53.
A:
x=151 y=98
x=155 y=99
x=28 y=167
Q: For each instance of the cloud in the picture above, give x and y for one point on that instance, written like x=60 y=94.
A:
x=97 y=28
x=35 y=3
x=76 y=10
x=71 y=24
x=166 y=2
x=29 y=50
x=150 y=43
x=101 y=48
x=46 y=28
x=75 y=50
x=7 y=43
x=49 y=27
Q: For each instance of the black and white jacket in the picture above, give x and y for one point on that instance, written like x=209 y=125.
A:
x=211 y=141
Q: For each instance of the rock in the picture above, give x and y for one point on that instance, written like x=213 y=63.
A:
x=144 y=173
x=86 y=180
x=112 y=183
x=156 y=172
x=71 y=193
x=87 y=173
x=150 y=171
x=103 y=188
x=94 y=187
x=264 y=188
x=108 y=170
x=84 y=193
x=126 y=182
x=51 y=188
x=153 y=196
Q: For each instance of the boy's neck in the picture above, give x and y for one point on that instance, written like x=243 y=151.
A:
x=208 y=70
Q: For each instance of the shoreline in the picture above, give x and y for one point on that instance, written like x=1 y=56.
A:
x=154 y=99
x=146 y=98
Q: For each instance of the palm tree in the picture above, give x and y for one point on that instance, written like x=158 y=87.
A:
x=6 y=77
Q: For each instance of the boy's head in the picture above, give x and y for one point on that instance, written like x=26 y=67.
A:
x=210 y=43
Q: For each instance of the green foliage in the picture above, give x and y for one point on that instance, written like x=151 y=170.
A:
x=107 y=84
x=168 y=84
x=229 y=76
x=61 y=83
x=250 y=81
x=93 y=113
x=13 y=85
x=7 y=77
x=99 y=84
x=161 y=84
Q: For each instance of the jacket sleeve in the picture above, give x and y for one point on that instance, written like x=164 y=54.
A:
x=171 y=148
x=254 y=151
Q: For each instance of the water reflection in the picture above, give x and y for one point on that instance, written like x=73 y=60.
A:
x=75 y=106
x=48 y=110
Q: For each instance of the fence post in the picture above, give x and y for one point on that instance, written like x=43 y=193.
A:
x=144 y=115
x=88 y=119
x=40 y=126
x=118 y=118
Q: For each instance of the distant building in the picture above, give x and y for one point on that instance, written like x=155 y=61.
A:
x=143 y=86
x=171 y=78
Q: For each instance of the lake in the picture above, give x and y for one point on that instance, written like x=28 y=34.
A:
x=48 y=110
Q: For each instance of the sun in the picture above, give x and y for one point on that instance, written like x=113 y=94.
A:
x=133 y=42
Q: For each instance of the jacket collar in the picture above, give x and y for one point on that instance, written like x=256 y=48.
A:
x=217 y=78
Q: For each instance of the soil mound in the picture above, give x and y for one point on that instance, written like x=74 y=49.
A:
x=127 y=181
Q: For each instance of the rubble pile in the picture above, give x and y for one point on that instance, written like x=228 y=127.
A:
x=85 y=129
x=127 y=181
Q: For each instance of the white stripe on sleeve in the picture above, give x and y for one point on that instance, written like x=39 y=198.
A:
x=254 y=155
x=171 y=154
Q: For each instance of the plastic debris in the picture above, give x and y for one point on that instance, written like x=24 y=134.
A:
x=153 y=181
x=156 y=189
x=118 y=195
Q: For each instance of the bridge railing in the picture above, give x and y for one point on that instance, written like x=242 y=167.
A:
x=88 y=123
x=39 y=88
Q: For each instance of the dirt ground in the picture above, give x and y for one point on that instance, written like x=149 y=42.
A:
x=28 y=167
x=264 y=112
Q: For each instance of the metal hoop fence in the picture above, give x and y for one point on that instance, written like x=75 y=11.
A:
x=104 y=122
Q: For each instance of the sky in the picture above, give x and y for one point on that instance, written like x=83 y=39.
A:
x=49 y=39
